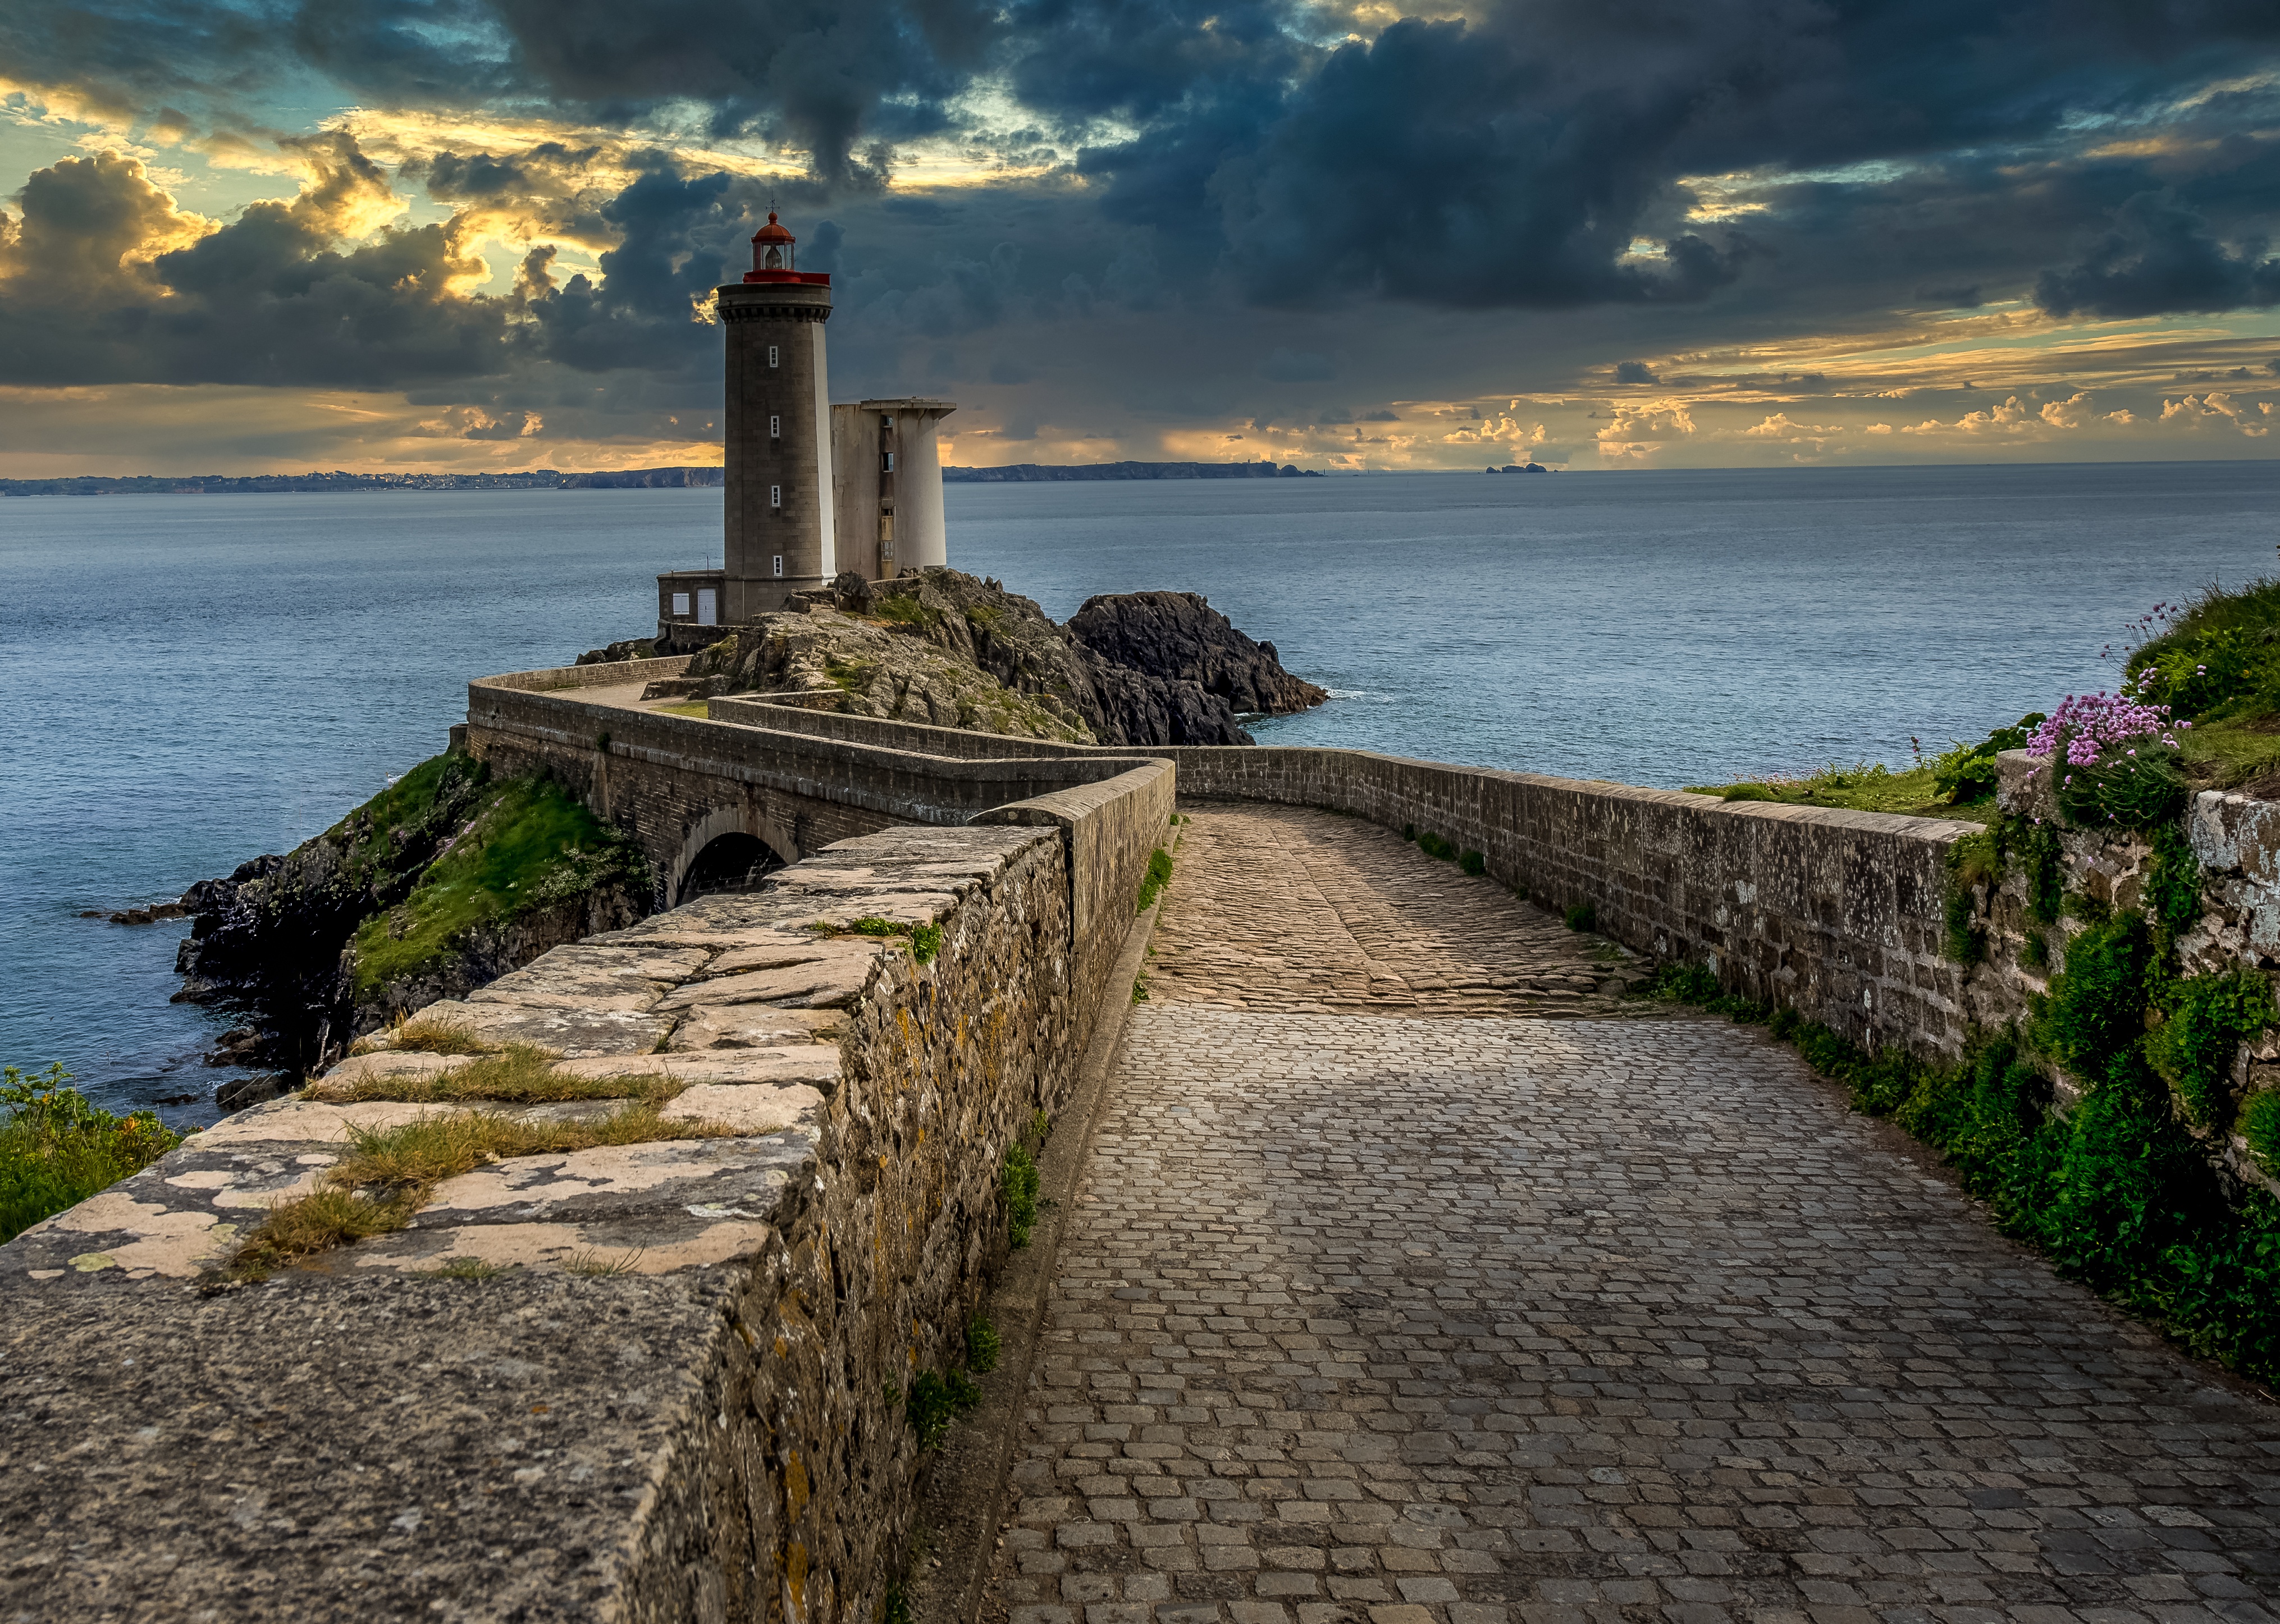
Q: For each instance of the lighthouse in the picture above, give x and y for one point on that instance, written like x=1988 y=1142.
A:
x=776 y=524
x=811 y=490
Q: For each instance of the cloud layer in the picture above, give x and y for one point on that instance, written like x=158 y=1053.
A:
x=1143 y=224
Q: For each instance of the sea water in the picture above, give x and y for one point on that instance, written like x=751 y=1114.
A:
x=191 y=680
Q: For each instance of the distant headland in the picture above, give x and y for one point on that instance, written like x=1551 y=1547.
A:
x=1033 y=472
x=620 y=479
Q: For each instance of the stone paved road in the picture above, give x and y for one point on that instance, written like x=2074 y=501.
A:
x=1412 y=1319
x=1286 y=908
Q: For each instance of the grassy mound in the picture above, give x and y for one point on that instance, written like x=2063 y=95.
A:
x=528 y=843
x=56 y=1150
x=2215 y=662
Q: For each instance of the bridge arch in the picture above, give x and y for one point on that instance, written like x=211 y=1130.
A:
x=723 y=850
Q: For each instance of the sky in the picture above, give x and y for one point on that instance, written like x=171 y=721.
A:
x=271 y=235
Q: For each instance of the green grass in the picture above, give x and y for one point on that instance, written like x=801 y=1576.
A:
x=532 y=843
x=56 y=1150
x=1864 y=787
x=1021 y=1181
x=702 y=710
x=389 y=1174
x=1158 y=876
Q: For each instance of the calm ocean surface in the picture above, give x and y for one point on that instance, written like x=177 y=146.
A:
x=191 y=680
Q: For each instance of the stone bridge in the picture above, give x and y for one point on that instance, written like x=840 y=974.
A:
x=1393 y=1263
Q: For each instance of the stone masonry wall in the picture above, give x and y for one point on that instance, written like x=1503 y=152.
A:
x=708 y=1429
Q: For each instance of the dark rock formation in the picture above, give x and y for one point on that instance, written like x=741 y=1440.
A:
x=1178 y=637
x=1185 y=690
x=276 y=938
x=631 y=648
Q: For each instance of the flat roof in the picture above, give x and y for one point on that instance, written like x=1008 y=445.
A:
x=911 y=402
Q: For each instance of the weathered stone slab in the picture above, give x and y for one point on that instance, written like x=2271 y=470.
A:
x=824 y=984
x=805 y=948
x=567 y=1032
x=751 y=1025
x=816 y=1065
x=652 y=1182
x=750 y=1108
x=585 y=977
x=394 y=1065
x=642 y=1246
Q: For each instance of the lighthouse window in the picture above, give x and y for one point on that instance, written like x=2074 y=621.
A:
x=779 y=566
x=889 y=464
x=681 y=603
x=771 y=354
x=775 y=428
x=775 y=496
x=774 y=261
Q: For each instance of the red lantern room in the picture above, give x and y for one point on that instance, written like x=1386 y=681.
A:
x=772 y=247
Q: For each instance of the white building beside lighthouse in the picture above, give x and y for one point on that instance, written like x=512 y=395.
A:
x=811 y=489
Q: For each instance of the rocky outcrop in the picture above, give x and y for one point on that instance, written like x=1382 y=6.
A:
x=610 y=654
x=406 y=875
x=870 y=668
x=1113 y=682
x=1178 y=637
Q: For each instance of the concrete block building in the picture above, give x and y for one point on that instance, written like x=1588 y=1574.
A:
x=811 y=489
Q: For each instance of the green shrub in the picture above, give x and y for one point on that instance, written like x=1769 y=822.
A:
x=981 y=1345
x=1472 y=862
x=2208 y=1019
x=936 y=1400
x=1966 y=774
x=1583 y=916
x=56 y=1149
x=1748 y=792
x=2036 y=845
x=1433 y=845
x=1020 y=1181
x=1684 y=983
x=2095 y=1008
x=1409 y=831
x=1974 y=861
x=2172 y=886
x=2035 y=951
x=2260 y=1125
x=2128 y=792
x=1152 y=886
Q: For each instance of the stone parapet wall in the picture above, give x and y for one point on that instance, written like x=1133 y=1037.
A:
x=1837 y=914
x=680 y=1398
x=674 y=782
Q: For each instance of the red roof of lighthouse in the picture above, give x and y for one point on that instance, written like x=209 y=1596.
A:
x=772 y=232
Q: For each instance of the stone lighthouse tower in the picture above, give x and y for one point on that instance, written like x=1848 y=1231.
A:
x=777 y=520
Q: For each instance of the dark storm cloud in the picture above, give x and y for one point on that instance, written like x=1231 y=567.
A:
x=2160 y=256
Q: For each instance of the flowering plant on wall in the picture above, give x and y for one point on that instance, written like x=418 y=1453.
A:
x=2115 y=756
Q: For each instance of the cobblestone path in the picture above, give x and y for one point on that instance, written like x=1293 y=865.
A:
x=1285 y=908
x=1402 y=1318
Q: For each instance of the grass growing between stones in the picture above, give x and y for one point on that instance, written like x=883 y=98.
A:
x=390 y=1173
x=2116 y=1192
x=1152 y=886
x=56 y=1149
x=520 y=1073
x=421 y=1036
x=925 y=939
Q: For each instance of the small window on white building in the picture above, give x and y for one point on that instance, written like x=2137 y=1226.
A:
x=681 y=603
x=775 y=427
x=779 y=566
x=775 y=496
x=708 y=611
x=771 y=354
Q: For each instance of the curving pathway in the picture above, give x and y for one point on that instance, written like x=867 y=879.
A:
x=1389 y=1300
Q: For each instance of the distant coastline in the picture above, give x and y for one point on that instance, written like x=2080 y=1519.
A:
x=238 y=485
x=622 y=478
x=1035 y=473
